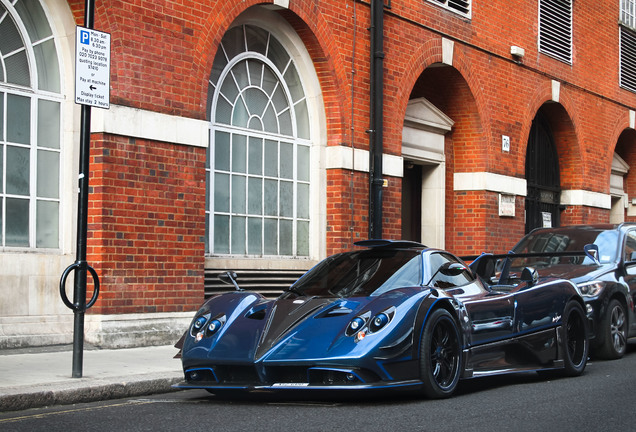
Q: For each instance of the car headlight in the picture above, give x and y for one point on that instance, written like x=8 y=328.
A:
x=213 y=327
x=379 y=321
x=355 y=325
x=591 y=289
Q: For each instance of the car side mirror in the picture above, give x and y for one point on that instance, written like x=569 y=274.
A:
x=591 y=251
x=230 y=277
x=452 y=269
x=530 y=276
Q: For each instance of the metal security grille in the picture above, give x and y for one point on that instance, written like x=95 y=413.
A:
x=459 y=6
x=542 y=174
x=628 y=59
x=555 y=29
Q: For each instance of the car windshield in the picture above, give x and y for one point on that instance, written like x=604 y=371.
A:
x=361 y=273
x=571 y=240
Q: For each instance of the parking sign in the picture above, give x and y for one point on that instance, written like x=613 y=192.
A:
x=92 y=68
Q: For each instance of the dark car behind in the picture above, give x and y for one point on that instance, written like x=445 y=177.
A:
x=608 y=284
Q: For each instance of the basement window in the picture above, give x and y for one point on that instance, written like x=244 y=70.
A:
x=555 y=29
x=461 y=7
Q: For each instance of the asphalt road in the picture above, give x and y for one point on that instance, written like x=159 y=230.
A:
x=602 y=399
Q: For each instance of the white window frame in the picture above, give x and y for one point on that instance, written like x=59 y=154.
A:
x=460 y=7
x=35 y=94
x=286 y=35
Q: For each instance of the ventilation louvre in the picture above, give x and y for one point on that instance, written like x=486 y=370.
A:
x=555 y=29
x=269 y=282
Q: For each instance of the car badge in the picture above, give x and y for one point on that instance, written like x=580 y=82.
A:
x=198 y=337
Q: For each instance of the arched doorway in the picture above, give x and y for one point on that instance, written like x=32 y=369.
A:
x=542 y=176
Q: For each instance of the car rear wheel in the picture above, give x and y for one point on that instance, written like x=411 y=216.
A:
x=614 y=331
x=440 y=356
x=575 y=339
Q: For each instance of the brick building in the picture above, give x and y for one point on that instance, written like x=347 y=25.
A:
x=238 y=137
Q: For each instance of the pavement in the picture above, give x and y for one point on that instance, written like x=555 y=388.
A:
x=37 y=377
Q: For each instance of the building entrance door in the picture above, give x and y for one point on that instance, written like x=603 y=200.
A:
x=543 y=197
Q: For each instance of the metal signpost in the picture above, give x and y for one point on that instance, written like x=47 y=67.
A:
x=92 y=88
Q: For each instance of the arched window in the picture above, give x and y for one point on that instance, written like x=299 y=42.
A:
x=29 y=128
x=259 y=154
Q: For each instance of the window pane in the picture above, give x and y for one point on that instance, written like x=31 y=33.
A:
x=256 y=156
x=18 y=170
x=223 y=111
x=238 y=194
x=222 y=151
x=10 y=39
x=277 y=54
x=17 y=67
x=293 y=83
x=286 y=199
x=228 y=89
x=302 y=240
x=18 y=119
x=256 y=39
x=17 y=222
x=302 y=120
x=256 y=100
x=286 y=160
x=222 y=193
x=239 y=155
x=48 y=124
x=286 y=237
x=255 y=196
x=285 y=122
x=271 y=158
x=48 y=224
x=241 y=115
x=254 y=232
x=270 y=234
x=233 y=42
x=270 y=197
x=1 y=117
x=34 y=19
x=48 y=174
x=302 y=163
x=221 y=234
x=48 y=67
x=238 y=235
x=270 y=122
x=302 y=201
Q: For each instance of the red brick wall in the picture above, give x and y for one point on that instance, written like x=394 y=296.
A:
x=162 y=53
x=146 y=225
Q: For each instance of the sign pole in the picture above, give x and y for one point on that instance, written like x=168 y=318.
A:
x=92 y=86
x=79 y=292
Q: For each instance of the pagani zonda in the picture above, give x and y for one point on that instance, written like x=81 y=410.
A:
x=396 y=315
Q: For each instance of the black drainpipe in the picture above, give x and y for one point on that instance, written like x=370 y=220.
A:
x=375 y=129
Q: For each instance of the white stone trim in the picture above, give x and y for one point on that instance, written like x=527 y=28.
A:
x=341 y=157
x=586 y=198
x=556 y=91
x=150 y=125
x=491 y=182
x=448 y=47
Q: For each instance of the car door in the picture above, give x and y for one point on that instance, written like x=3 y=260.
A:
x=491 y=313
x=629 y=262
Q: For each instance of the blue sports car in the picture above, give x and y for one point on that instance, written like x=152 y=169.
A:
x=392 y=315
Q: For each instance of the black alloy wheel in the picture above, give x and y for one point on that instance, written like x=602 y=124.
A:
x=440 y=359
x=614 y=332
x=576 y=342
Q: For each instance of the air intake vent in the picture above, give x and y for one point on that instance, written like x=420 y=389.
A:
x=555 y=29
x=628 y=59
x=270 y=282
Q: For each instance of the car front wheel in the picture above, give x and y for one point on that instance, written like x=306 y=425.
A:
x=576 y=342
x=614 y=331
x=441 y=355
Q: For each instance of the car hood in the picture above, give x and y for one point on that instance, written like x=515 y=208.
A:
x=297 y=329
